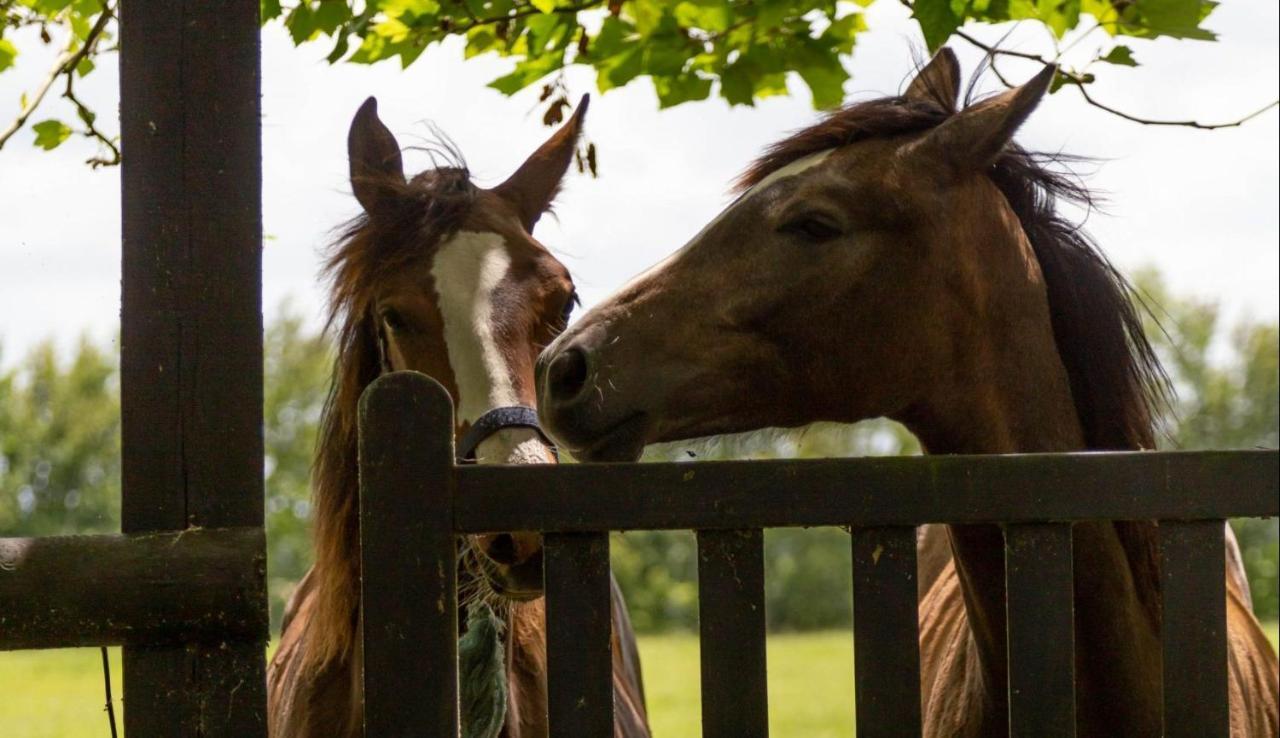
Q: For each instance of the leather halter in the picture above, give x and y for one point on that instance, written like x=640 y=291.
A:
x=499 y=418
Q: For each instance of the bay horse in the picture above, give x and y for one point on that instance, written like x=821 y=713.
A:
x=903 y=259
x=440 y=276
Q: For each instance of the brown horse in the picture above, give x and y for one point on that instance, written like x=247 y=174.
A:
x=442 y=277
x=903 y=259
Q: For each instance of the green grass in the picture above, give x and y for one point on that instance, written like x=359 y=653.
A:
x=59 y=694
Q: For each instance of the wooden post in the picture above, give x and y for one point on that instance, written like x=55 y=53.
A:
x=408 y=559
x=191 y=329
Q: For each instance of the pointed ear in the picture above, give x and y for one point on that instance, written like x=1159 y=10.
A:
x=938 y=81
x=536 y=182
x=374 y=156
x=972 y=140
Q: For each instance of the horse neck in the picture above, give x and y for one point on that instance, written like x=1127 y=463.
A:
x=1013 y=398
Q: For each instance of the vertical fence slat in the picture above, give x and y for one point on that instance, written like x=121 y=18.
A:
x=408 y=585
x=579 y=656
x=1194 y=629
x=191 y=329
x=731 y=624
x=1041 y=630
x=886 y=649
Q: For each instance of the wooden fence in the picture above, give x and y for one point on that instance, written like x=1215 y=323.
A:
x=183 y=587
x=415 y=502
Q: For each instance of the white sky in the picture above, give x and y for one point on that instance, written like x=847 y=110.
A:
x=1200 y=206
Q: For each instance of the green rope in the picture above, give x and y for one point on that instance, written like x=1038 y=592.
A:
x=482 y=671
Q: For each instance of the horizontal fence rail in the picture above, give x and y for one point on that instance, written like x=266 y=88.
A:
x=1023 y=488
x=200 y=585
x=1034 y=498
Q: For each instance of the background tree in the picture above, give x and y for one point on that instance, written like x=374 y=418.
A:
x=740 y=50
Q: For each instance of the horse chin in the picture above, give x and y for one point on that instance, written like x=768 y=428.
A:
x=624 y=441
x=519 y=583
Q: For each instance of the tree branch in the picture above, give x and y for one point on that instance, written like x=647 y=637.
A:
x=1080 y=82
x=66 y=64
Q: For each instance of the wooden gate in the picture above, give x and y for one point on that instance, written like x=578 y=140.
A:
x=415 y=502
x=183 y=587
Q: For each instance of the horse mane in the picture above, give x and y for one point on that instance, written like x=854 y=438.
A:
x=420 y=214
x=1118 y=386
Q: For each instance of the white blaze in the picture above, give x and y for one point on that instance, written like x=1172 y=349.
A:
x=467 y=269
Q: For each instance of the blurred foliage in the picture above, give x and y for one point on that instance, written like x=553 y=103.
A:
x=739 y=50
x=1228 y=384
x=60 y=468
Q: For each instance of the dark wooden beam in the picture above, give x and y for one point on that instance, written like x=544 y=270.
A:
x=145 y=588
x=1040 y=612
x=1193 y=629
x=731 y=627
x=191 y=328
x=886 y=643
x=408 y=583
x=872 y=492
x=579 y=656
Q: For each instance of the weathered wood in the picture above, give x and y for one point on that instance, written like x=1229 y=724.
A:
x=191 y=327
x=1194 y=629
x=1040 y=613
x=731 y=625
x=145 y=588
x=870 y=491
x=886 y=642
x=408 y=582
x=579 y=658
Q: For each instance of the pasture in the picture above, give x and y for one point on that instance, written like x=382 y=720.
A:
x=58 y=694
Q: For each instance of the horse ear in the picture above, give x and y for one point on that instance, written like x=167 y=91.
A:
x=534 y=185
x=374 y=156
x=938 y=81
x=972 y=140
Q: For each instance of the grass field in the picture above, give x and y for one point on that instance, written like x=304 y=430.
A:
x=59 y=694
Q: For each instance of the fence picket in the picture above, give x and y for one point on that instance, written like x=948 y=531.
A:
x=886 y=650
x=1194 y=629
x=579 y=657
x=1040 y=612
x=409 y=603
x=731 y=624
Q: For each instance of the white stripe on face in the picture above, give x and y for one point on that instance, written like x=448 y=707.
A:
x=467 y=269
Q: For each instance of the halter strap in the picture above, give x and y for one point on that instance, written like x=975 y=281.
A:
x=511 y=416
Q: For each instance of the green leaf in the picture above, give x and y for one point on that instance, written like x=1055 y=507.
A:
x=330 y=14
x=736 y=85
x=712 y=16
x=50 y=134
x=526 y=73
x=301 y=23
x=1121 y=55
x=84 y=66
x=937 y=21
x=842 y=33
x=821 y=70
x=8 y=52
x=545 y=6
x=683 y=88
x=619 y=69
x=1173 y=18
x=269 y=10
x=648 y=14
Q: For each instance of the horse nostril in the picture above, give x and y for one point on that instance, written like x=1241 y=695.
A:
x=502 y=549
x=567 y=376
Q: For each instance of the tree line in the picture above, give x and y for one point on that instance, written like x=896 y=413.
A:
x=60 y=459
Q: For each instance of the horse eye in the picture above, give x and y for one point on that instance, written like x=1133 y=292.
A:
x=814 y=228
x=394 y=320
x=570 y=303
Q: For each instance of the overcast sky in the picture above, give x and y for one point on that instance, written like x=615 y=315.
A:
x=1200 y=206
